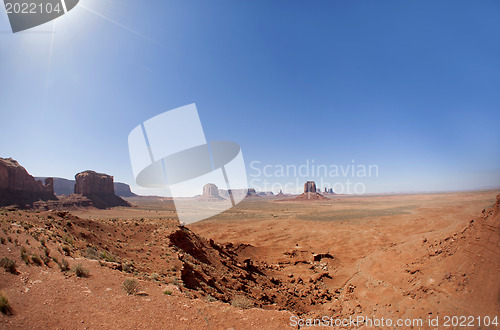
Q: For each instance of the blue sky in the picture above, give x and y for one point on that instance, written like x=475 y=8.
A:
x=411 y=86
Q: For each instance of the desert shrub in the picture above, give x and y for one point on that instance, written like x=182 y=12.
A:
x=2 y=239
x=4 y=304
x=9 y=265
x=81 y=271
x=25 y=256
x=130 y=286
x=241 y=301
x=36 y=260
x=91 y=253
x=68 y=240
x=127 y=267
x=176 y=282
x=108 y=256
x=167 y=292
x=63 y=265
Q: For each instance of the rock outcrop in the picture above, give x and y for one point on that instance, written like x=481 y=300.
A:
x=310 y=186
x=280 y=194
x=123 y=190
x=310 y=192
x=211 y=192
x=93 y=183
x=18 y=187
x=252 y=193
x=67 y=187
x=98 y=188
x=61 y=186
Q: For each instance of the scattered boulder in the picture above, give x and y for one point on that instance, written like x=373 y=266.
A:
x=319 y=256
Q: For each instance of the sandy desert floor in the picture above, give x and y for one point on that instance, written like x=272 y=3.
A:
x=415 y=257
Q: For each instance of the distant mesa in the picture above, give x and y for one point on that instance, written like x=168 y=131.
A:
x=67 y=187
x=235 y=192
x=310 y=186
x=211 y=193
x=98 y=188
x=329 y=191
x=265 y=193
x=281 y=194
x=18 y=187
x=252 y=193
x=123 y=190
x=310 y=192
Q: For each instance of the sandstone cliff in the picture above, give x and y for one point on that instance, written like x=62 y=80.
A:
x=18 y=187
x=99 y=188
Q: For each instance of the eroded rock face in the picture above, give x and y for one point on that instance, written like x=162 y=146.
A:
x=17 y=186
x=210 y=190
x=99 y=188
x=252 y=193
x=123 y=190
x=310 y=186
x=90 y=183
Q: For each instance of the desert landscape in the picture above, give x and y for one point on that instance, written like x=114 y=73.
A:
x=249 y=164
x=266 y=263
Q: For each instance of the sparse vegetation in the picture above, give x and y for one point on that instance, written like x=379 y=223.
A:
x=68 y=240
x=130 y=286
x=81 y=271
x=9 y=265
x=25 y=256
x=108 y=256
x=5 y=307
x=92 y=253
x=63 y=265
x=167 y=292
x=241 y=301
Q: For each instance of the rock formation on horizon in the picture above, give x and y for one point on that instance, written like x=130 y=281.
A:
x=211 y=192
x=123 y=190
x=99 y=188
x=18 y=187
x=67 y=187
x=310 y=192
x=252 y=193
x=310 y=186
